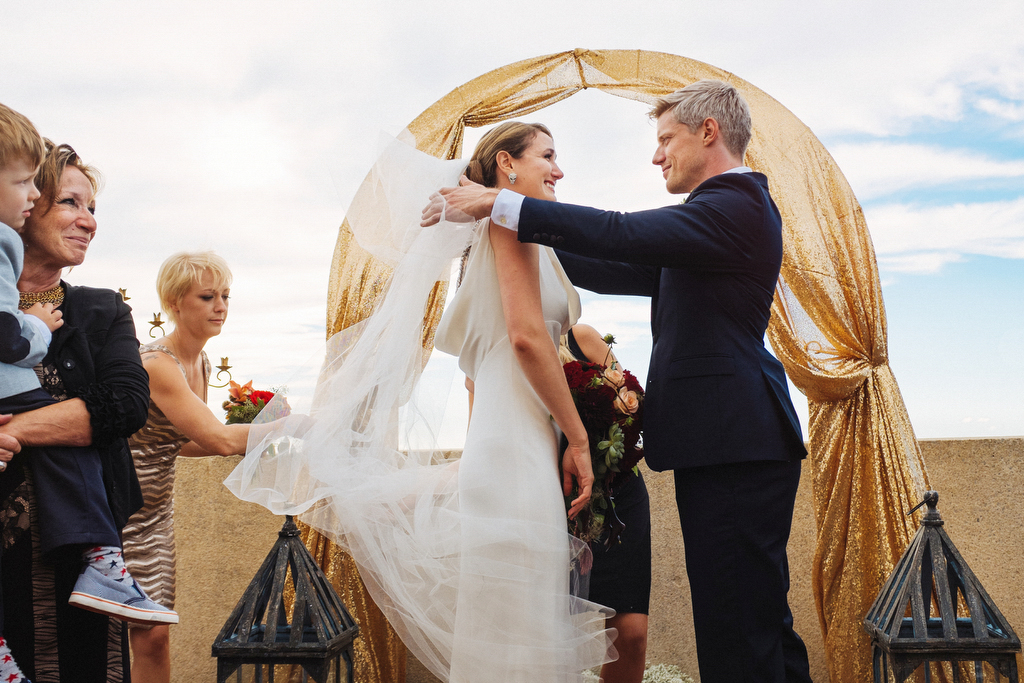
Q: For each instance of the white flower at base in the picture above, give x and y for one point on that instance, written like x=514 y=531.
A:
x=654 y=673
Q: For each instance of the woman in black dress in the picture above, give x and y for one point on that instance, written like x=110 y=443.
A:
x=621 y=577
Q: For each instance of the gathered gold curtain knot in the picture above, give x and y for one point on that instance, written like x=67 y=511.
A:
x=815 y=348
x=578 y=57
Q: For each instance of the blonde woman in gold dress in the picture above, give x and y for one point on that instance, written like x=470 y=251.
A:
x=193 y=290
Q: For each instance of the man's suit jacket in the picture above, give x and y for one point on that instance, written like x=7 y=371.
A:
x=715 y=394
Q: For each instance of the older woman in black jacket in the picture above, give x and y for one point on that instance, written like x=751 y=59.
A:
x=94 y=371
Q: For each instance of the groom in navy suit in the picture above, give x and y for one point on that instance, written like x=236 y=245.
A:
x=718 y=411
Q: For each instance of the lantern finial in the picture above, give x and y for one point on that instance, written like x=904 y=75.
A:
x=931 y=516
x=290 y=528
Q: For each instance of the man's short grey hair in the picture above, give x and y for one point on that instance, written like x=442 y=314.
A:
x=710 y=99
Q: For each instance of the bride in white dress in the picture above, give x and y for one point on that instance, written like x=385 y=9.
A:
x=470 y=560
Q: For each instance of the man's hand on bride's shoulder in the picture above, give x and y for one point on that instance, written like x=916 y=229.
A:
x=463 y=204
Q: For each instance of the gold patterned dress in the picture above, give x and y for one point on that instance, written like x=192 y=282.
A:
x=149 y=537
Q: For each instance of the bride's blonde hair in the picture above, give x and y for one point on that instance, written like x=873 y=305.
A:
x=512 y=137
x=565 y=355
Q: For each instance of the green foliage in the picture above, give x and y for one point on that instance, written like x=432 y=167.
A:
x=613 y=448
x=245 y=413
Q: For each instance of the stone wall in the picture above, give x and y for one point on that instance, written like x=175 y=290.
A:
x=221 y=543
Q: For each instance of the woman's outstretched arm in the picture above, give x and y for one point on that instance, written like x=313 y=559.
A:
x=188 y=413
x=519 y=282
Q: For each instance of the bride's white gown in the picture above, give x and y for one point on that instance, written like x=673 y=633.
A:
x=468 y=559
x=512 y=619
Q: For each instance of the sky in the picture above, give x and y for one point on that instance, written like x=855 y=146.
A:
x=246 y=127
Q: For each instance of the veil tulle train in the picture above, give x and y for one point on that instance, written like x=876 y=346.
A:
x=347 y=467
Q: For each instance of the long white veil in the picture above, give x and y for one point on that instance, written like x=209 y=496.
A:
x=371 y=369
x=347 y=467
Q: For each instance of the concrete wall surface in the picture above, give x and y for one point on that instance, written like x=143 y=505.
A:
x=221 y=543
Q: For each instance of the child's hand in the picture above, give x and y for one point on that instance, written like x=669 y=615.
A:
x=48 y=313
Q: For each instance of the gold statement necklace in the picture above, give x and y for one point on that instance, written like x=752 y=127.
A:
x=53 y=296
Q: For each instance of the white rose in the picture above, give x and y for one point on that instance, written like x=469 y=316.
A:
x=615 y=376
x=627 y=402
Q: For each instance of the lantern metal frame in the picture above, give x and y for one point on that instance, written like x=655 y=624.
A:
x=258 y=632
x=930 y=573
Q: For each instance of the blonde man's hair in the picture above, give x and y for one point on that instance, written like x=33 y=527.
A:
x=179 y=272
x=708 y=99
x=19 y=139
x=51 y=172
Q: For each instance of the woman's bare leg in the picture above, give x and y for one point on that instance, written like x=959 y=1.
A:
x=151 y=654
x=631 y=644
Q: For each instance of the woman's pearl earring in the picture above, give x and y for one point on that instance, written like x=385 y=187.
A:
x=512 y=178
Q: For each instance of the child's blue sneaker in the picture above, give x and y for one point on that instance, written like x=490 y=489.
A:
x=122 y=599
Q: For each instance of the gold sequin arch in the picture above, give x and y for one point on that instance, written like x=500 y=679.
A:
x=828 y=322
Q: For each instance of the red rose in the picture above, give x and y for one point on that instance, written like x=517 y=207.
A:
x=573 y=374
x=631 y=432
x=596 y=405
x=632 y=384
x=256 y=396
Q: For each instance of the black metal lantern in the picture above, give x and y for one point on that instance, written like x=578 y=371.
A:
x=258 y=635
x=934 y=609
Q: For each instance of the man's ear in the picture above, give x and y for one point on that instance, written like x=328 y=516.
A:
x=710 y=130
x=504 y=162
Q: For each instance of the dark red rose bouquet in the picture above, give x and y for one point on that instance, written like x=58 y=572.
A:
x=610 y=403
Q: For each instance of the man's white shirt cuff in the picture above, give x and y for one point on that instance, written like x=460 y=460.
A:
x=505 y=211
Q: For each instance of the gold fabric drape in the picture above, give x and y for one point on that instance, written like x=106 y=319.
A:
x=828 y=321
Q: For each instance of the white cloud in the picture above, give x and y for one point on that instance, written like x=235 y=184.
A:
x=878 y=169
x=1002 y=109
x=921 y=239
x=916 y=263
x=881 y=67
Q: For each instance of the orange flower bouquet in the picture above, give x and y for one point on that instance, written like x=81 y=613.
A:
x=245 y=403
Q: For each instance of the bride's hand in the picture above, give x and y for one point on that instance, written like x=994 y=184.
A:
x=464 y=204
x=576 y=464
x=433 y=211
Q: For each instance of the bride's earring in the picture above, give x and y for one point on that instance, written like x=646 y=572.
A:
x=512 y=178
